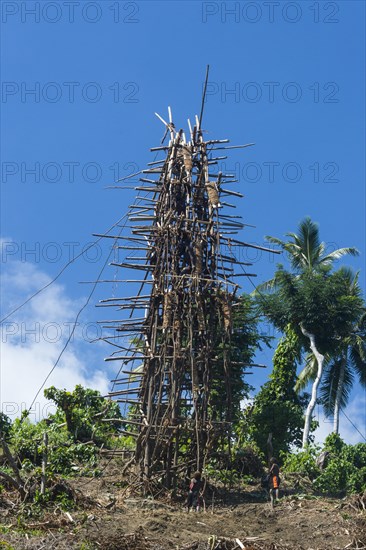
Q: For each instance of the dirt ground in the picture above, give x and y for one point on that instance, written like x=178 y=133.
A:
x=108 y=517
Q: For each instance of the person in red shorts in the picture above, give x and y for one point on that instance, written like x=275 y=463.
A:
x=274 y=482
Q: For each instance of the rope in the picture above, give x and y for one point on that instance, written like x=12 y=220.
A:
x=355 y=427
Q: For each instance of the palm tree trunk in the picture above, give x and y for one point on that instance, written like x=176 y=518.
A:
x=310 y=408
x=337 y=402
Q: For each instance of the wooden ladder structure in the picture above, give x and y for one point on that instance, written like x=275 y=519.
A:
x=180 y=328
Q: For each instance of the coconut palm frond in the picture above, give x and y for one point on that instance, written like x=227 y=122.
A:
x=321 y=249
x=306 y=251
x=309 y=371
x=307 y=374
x=350 y=276
x=329 y=387
x=267 y=286
x=274 y=240
x=337 y=254
x=361 y=326
x=357 y=356
x=274 y=283
x=309 y=238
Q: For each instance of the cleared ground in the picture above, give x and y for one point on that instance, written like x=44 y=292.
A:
x=110 y=517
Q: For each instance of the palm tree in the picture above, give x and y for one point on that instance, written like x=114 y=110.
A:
x=305 y=251
x=343 y=365
x=347 y=363
x=308 y=258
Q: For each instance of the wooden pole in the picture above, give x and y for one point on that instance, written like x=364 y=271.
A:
x=44 y=463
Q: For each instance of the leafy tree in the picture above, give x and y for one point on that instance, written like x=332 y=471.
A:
x=347 y=362
x=303 y=462
x=277 y=409
x=244 y=342
x=321 y=309
x=304 y=298
x=74 y=432
x=305 y=251
x=64 y=454
x=334 y=444
x=83 y=411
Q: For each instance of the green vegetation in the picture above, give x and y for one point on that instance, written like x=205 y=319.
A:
x=245 y=342
x=84 y=421
x=277 y=409
x=343 y=472
x=324 y=309
x=87 y=415
x=75 y=432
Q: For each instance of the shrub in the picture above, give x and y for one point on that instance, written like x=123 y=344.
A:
x=302 y=462
x=345 y=470
x=64 y=455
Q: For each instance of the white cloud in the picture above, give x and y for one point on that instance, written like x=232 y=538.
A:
x=33 y=338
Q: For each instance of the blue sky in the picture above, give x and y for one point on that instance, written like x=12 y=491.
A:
x=288 y=76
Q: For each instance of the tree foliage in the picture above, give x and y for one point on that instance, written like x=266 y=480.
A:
x=65 y=456
x=245 y=342
x=85 y=413
x=75 y=432
x=277 y=409
x=323 y=307
x=321 y=302
x=344 y=471
x=346 y=363
x=5 y=425
x=306 y=253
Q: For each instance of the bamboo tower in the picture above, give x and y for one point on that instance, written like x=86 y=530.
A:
x=180 y=345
